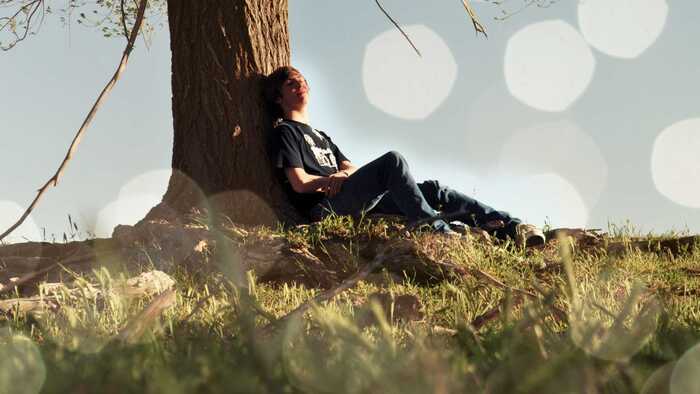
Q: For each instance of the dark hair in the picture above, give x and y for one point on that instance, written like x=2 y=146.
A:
x=273 y=88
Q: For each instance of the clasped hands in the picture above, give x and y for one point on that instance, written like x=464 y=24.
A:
x=335 y=182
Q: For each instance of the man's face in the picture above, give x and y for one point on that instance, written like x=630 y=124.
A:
x=294 y=93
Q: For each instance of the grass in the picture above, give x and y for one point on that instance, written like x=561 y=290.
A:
x=628 y=316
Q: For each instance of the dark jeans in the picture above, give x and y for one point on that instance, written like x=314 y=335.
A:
x=385 y=185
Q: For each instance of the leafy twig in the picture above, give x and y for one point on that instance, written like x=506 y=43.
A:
x=28 y=10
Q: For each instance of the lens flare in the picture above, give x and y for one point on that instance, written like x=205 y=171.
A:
x=622 y=28
x=551 y=198
x=675 y=163
x=22 y=368
x=10 y=212
x=558 y=147
x=257 y=211
x=685 y=378
x=660 y=381
x=402 y=84
x=612 y=318
x=135 y=200
x=153 y=182
x=548 y=65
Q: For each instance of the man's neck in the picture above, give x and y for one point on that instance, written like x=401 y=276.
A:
x=298 y=116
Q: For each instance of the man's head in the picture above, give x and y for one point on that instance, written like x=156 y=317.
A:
x=286 y=90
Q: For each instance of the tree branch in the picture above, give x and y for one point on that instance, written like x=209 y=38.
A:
x=76 y=140
x=398 y=27
x=126 y=31
x=21 y=9
x=29 y=10
x=475 y=20
x=31 y=276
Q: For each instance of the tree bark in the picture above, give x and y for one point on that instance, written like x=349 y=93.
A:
x=221 y=49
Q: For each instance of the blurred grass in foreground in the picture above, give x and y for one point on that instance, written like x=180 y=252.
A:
x=631 y=325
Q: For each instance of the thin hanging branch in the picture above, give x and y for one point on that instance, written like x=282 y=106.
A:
x=398 y=27
x=76 y=140
x=472 y=16
x=475 y=19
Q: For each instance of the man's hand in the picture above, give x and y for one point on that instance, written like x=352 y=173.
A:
x=335 y=182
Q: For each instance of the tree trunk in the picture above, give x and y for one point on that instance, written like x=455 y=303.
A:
x=221 y=49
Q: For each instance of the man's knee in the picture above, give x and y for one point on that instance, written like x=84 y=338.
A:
x=432 y=183
x=431 y=191
x=431 y=187
x=394 y=159
x=391 y=165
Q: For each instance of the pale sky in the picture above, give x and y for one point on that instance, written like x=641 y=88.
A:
x=580 y=114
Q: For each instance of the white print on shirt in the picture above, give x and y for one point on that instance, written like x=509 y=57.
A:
x=317 y=134
x=324 y=156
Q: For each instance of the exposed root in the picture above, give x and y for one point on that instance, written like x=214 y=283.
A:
x=273 y=258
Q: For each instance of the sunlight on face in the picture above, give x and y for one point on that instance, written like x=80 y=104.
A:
x=560 y=147
x=402 y=84
x=548 y=65
x=10 y=212
x=622 y=28
x=675 y=164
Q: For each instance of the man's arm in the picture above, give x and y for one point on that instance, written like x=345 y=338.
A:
x=303 y=182
x=335 y=181
x=347 y=167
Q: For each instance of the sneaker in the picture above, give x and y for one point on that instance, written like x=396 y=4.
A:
x=465 y=229
x=492 y=225
x=440 y=227
x=459 y=227
x=528 y=235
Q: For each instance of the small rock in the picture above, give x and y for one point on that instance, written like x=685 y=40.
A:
x=151 y=282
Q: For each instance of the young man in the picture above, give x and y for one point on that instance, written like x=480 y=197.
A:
x=320 y=179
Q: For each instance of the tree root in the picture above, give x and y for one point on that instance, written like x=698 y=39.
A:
x=145 y=284
x=271 y=258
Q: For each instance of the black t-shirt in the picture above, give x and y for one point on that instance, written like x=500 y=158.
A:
x=299 y=145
